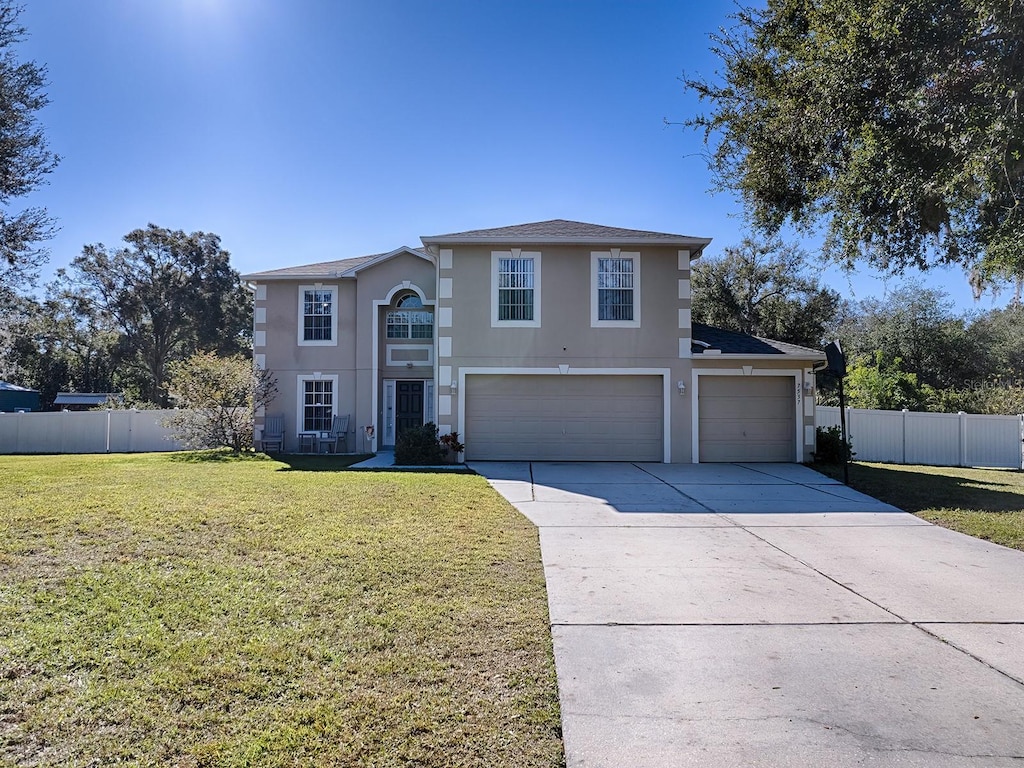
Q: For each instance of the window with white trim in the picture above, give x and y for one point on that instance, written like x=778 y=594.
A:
x=410 y=321
x=318 y=315
x=515 y=298
x=317 y=407
x=615 y=289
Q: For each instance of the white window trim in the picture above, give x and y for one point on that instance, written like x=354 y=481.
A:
x=300 y=394
x=516 y=253
x=302 y=317
x=615 y=253
x=408 y=326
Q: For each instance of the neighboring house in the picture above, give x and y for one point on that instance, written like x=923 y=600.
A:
x=85 y=401
x=556 y=340
x=15 y=398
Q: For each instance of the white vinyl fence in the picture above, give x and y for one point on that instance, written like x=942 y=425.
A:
x=939 y=439
x=85 y=432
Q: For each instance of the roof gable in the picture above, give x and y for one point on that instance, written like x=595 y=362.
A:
x=339 y=268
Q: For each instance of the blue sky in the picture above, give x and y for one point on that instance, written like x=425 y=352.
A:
x=309 y=130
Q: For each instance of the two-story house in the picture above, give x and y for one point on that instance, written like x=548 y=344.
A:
x=557 y=340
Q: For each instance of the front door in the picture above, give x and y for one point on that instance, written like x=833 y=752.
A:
x=408 y=406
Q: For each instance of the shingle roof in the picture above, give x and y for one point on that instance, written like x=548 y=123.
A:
x=6 y=386
x=734 y=343
x=562 y=230
x=321 y=269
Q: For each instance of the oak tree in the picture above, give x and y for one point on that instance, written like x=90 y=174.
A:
x=897 y=125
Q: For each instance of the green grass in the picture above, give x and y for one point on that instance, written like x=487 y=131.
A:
x=987 y=503
x=203 y=611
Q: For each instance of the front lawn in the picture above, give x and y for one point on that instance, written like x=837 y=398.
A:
x=161 y=610
x=987 y=503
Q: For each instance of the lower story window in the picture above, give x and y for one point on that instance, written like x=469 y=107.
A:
x=317 y=405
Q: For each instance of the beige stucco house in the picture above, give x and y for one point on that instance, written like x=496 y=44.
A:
x=556 y=340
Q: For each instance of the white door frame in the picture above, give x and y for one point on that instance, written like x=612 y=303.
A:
x=390 y=406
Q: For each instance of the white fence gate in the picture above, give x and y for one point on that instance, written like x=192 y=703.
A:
x=939 y=439
x=86 y=432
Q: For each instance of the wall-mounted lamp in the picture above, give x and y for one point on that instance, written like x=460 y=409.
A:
x=808 y=387
x=681 y=386
x=454 y=386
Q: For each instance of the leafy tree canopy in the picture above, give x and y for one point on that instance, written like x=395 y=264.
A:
x=898 y=125
x=169 y=294
x=762 y=288
x=25 y=160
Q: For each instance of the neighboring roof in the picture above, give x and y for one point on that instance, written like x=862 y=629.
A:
x=87 y=398
x=734 y=343
x=6 y=386
x=563 y=230
x=339 y=268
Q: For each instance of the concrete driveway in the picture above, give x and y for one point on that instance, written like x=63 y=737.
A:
x=763 y=615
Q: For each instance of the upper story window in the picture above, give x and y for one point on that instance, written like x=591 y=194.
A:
x=410 y=320
x=615 y=289
x=318 y=315
x=515 y=289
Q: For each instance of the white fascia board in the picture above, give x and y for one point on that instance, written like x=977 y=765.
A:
x=695 y=243
x=315 y=276
x=733 y=357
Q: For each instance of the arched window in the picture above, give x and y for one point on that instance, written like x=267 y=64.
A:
x=410 y=320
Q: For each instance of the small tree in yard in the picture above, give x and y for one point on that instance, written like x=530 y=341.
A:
x=218 y=398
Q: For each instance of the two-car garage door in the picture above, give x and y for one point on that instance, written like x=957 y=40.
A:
x=747 y=418
x=565 y=417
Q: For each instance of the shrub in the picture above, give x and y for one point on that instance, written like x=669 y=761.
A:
x=218 y=397
x=419 y=446
x=829 y=449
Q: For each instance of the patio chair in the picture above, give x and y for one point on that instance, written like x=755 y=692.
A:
x=273 y=433
x=338 y=434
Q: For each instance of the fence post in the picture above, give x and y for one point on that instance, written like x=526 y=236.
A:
x=108 y=429
x=1020 y=445
x=903 y=452
x=963 y=437
x=849 y=427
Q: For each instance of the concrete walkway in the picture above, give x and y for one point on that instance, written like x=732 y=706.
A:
x=763 y=615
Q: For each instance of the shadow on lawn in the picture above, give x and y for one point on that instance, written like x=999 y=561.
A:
x=991 y=490
x=216 y=455
x=316 y=462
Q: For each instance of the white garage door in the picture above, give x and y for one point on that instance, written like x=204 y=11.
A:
x=564 y=418
x=747 y=418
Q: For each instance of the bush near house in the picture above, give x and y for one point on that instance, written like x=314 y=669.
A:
x=421 y=446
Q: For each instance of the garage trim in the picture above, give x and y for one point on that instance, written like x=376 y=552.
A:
x=566 y=370
x=750 y=371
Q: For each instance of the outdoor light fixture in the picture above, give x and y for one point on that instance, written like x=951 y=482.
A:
x=454 y=386
x=681 y=386
x=808 y=387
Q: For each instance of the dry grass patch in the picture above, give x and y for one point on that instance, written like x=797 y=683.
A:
x=155 y=611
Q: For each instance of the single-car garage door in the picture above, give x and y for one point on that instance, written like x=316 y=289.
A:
x=564 y=418
x=747 y=418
